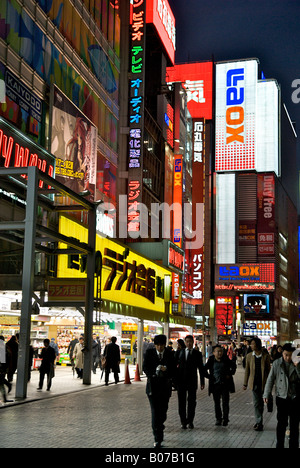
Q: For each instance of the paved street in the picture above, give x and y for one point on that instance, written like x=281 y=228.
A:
x=118 y=416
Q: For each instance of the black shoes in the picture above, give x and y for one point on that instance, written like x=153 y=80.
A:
x=258 y=427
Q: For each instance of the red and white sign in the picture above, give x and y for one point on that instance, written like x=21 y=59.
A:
x=197 y=79
x=160 y=14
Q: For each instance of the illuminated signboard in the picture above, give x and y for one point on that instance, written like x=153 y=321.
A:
x=176 y=258
x=160 y=14
x=252 y=274
x=247 y=119
x=256 y=304
x=177 y=218
x=224 y=315
x=177 y=198
x=262 y=328
x=236 y=91
x=267 y=128
x=136 y=113
x=134 y=281
x=197 y=79
x=16 y=150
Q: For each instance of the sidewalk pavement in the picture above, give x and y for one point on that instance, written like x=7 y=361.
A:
x=119 y=417
x=64 y=382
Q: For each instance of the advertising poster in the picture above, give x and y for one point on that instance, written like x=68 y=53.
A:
x=21 y=106
x=74 y=144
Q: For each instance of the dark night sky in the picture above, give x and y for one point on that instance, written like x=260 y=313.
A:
x=234 y=29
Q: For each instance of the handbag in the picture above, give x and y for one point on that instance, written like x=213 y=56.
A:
x=270 y=405
x=103 y=362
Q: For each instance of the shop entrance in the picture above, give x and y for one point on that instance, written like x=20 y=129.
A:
x=37 y=190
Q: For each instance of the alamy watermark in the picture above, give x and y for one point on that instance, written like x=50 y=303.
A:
x=163 y=221
x=296 y=93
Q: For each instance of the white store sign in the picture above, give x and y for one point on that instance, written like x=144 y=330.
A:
x=260 y=328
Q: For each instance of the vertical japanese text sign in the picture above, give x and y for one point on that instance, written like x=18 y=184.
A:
x=136 y=114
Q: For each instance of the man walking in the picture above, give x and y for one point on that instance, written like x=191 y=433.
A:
x=258 y=366
x=285 y=374
x=47 y=367
x=220 y=371
x=189 y=361
x=159 y=367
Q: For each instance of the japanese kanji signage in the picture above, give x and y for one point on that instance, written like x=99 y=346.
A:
x=136 y=113
x=66 y=290
x=127 y=277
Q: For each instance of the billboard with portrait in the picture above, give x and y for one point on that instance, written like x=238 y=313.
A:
x=74 y=144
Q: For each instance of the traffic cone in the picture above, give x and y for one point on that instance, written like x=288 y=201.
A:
x=127 y=376
x=137 y=377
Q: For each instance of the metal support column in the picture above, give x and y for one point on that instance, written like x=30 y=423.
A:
x=140 y=357
x=27 y=282
x=90 y=295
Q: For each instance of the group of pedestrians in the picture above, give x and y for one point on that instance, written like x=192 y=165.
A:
x=166 y=370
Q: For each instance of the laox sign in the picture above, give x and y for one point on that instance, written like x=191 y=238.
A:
x=258 y=326
x=245 y=271
x=235 y=114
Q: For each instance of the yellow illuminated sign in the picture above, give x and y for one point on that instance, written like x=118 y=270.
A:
x=129 y=279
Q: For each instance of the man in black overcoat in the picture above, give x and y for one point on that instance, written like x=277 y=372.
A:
x=159 y=367
x=189 y=363
x=113 y=358
x=220 y=370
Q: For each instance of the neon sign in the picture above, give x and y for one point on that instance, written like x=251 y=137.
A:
x=18 y=151
x=160 y=14
x=136 y=113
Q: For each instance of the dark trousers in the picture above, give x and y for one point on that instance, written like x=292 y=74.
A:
x=288 y=409
x=116 y=375
x=49 y=374
x=221 y=392
x=187 y=402
x=159 y=409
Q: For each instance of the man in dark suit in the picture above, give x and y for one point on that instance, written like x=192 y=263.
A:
x=159 y=367
x=113 y=359
x=189 y=362
x=220 y=370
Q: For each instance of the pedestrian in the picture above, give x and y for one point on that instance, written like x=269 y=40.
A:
x=3 y=369
x=70 y=352
x=96 y=352
x=209 y=350
x=12 y=350
x=55 y=347
x=159 y=367
x=79 y=357
x=258 y=366
x=134 y=352
x=220 y=370
x=47 y=367
x=189 y=361
x=245 y=352
x=285 y=374
x=112 y=355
